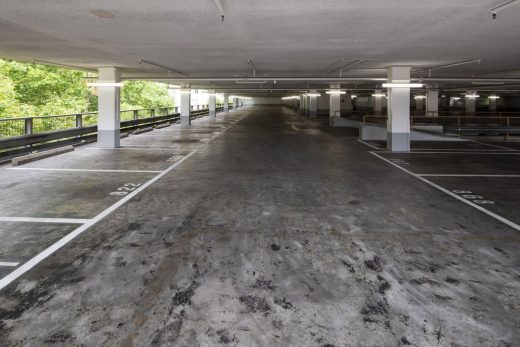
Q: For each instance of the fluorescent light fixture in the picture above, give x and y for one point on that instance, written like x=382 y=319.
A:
x=402 y=85
x=471 y=96
x=313 y=94
x=494 y=97
x=105 y=84
x=379 y=95
x=418 y=97
x=335 y=92
x=455 y=98
x=353 y=96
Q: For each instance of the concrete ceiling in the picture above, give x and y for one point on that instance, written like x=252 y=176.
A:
x=283 y=38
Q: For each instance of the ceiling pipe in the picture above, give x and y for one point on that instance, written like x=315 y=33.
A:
x=356 y=62
x=220 y=8
x=43 y=62
x=448 y=65
x=162 y=67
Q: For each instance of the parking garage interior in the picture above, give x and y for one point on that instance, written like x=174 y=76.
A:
x=351 y=178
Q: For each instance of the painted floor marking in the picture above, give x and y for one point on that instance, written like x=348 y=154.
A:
x=480 y=208
x=5 y=281
x=369 y=145
x=465 y=175
x=468 y=152
x=45 y=220
x=487 y=144
x=81 y=170
x=8 y=263
x=131 y=149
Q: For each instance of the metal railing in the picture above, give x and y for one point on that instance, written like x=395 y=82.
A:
x=20 y=136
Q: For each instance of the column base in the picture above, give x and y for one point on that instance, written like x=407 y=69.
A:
x=109 y=138
x=212 y=113
x=398 y=142
x=185 y=121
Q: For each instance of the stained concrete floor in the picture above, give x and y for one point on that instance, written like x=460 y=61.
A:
x=276 y=231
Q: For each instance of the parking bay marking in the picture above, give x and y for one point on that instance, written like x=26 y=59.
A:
x=8 y=263
x=456 y=196
x=82 y=170
x=12 y=276
x=44 y=220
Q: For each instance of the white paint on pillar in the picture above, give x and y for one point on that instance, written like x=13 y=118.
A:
x=334 y=103
x=212 y=103
x=492 y=104
x=226 y=102
x=185 y=107
x=398 y=123
x=470 y=102
x=432 y=103
x=313 y=104
x=108 y=108
x=378 y=101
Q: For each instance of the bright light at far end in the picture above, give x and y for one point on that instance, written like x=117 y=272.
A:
x=379 y=95
x=494 y=97
x=402 y=85
x=313 y=94
x=418 y=97
x=335 y=92
x=472 y=96
x=105 y=84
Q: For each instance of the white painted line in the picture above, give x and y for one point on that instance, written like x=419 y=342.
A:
x=458 y=149
x=369 y=145
x=69 y=237
x=487 y=144
x=45 y=220
x=472 y=204
x=465 y=175
x=8 y=263
x=81 y=170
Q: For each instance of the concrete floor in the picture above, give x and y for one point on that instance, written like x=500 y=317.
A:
x=281 y=231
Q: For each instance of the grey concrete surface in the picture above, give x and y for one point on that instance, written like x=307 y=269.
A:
x=281 y=232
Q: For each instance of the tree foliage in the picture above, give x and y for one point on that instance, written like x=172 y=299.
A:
x=38 y=90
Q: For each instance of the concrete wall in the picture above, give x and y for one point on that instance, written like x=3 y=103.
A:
x=266 y=100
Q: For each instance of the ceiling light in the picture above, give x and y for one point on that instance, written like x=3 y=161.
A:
x=417 y=97
x=313 y=94
x=402 y=85
x=335 y=92
x=455 y=98
x=105 y=84
x=494 y=97
x=379 y=95
x=353 y=96
x=471 y=96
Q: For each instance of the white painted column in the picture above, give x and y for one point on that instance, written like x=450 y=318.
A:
x=492 y=104
x=378 y=101
x=398 y=123
x=108 y=108
x=334 y=103
x=212 y=103
x=226 y=102
x=313 y=104
x=185 y=107
x=470 y=102
x=432 y=103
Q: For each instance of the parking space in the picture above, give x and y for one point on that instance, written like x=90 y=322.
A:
x=457 y=145
x=53 y=198
x=514 y=145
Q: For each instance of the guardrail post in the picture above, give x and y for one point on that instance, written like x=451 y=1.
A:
x=136 y=114
x=79 y=120
x=28 y=126
x=152 y=112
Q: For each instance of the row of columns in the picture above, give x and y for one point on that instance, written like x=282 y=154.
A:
x=109 y=107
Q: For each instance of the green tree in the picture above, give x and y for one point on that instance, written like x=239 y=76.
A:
x=143 y=94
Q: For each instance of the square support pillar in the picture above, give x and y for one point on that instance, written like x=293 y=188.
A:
x=398 y=123
x=432 y=103
x=212 y=103
x=226 y=102
x=492 y=104
x=235 y=103
x=346 y=102
x=313 y=104
x=108 y=108
x=419 y=104
x=185 y=107
x=471 y=103
x=377 y=101
x=334 y=103
x=301 y=103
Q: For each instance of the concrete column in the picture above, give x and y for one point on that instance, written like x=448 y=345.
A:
x=108 y=108
x=235 y=103
x=432 y=103
x=306 y=105
x=334 y=102
x=492 y=104
x=212 y=103
x=226 y=102
x=346 y=102
x=398 y=123
x=470 y=102
x=313 y=104
x=185 y=107
x=419 y=103
x=378 y=101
